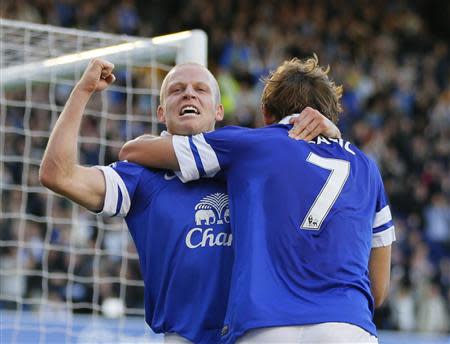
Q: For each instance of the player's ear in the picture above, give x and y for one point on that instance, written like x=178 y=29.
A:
x=268 y=117
x=160 y=114
x=219 y=112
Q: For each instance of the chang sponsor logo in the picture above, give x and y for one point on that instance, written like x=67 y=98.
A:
x=211 y=210
x=199 y=237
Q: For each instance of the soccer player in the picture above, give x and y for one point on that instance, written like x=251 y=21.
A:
x=181 y=231
x=311 y=225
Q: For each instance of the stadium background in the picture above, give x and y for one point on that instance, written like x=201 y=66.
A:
x=393 y=59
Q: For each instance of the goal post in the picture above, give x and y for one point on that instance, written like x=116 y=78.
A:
x=65 y=274
x=189 y=46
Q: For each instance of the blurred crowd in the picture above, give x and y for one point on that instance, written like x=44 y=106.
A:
x=396 y=77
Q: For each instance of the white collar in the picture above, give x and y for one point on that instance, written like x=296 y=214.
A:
x=286 y=119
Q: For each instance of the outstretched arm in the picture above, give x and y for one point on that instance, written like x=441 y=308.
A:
x=158 y=152
x=59 y=169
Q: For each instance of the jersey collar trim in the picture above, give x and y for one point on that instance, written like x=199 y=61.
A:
x=286 y=119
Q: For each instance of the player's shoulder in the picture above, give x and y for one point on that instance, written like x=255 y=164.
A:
x=361 y=156
x=373 y=165
x=236 y=130
x=263 y=134
x=228 y=136
x=145 y=180
x=275 y=128
x=125 y=167
x=231 y=130
x=341 y=147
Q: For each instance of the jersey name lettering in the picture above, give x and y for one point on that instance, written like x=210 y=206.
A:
x=340 y=142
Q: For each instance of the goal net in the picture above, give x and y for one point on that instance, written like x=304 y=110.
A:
x=67 y=275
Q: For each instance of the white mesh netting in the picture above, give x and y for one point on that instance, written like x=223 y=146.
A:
x=58 y=261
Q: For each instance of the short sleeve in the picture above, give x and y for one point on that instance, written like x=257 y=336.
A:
x=121 y=180
x=383 y=226
x=204 y=155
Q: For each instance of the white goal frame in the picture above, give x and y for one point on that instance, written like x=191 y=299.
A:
x=191 y=47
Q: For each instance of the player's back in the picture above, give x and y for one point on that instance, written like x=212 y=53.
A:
x=302 y=221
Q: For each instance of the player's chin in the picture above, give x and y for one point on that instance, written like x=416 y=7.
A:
x=189 y=127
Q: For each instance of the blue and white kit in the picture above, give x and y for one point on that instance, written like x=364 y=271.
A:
x=305 y=216
x=182 y=236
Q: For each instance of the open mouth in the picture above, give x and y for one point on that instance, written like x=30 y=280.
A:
x=189 y=110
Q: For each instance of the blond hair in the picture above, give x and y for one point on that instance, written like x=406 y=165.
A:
x=297 y=84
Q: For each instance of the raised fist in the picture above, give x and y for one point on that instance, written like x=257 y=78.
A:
x=97 y=76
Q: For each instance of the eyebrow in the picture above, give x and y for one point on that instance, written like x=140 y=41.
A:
x=196 y=83
x=178 y=83
x=202 y=83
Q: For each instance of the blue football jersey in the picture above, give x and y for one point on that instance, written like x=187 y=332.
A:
x=305 y=216
x=182 y=236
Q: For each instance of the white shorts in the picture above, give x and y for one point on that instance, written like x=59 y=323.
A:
x=173 y=338
x=326 y=333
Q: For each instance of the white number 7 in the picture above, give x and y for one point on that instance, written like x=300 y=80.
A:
x=330 y=191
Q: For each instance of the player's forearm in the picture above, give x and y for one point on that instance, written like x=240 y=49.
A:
x=151 y=152
x=60 y=157
x=379 y=273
